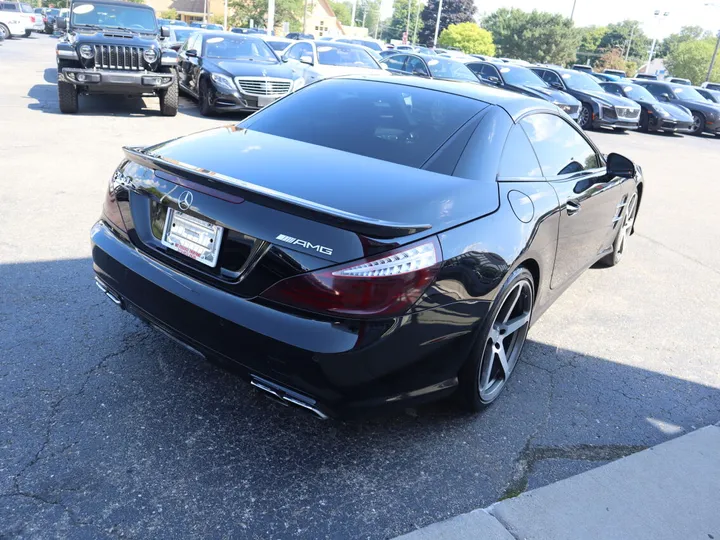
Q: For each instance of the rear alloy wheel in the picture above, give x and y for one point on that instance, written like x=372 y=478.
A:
x=585 y=119
x=205 y=100
x=499 y=344
x=698 y=125
x=4 y=32
x=626 y=227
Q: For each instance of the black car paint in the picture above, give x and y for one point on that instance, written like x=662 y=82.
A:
x=710 y=112
x=650 y=118
x=339 y=364
x=196 y=69
x=569 y=104
x=594 y=100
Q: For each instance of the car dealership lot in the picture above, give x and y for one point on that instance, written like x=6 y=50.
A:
x=111 y=429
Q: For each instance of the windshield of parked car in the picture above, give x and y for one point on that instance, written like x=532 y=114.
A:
x=688 y=93
x=520 y=76
x=337 y=54
x=581 y=81
x=140 y=19
x=238 y=47
x=391 y=122
x=638 y=93
x=277 y=45
x=444 y=68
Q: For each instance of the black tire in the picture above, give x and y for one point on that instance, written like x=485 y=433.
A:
x=624 y=231
x=204 y=98
x=169 y=100
x=68 y=97
x=475 y=390
x=644 y=123
x=27 y=33
x=5 y=31
x=585 y=118
x=620 y=130
x=698 y=123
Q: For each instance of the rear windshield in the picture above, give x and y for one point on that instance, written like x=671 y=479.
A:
x=386 y=121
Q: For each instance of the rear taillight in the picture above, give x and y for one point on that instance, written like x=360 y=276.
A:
x=32 y=18
x=111 y=210
x=382 y=286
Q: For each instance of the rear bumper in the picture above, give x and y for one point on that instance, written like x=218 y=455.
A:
x=340 y=366
x=97 y=80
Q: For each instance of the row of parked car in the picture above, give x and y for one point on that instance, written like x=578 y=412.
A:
x=18 y=19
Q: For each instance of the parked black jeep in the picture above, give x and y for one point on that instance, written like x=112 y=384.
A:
x=113 y=47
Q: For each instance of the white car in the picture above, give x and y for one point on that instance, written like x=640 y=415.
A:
x=33 y=22
x=11 y=24
x=322 y=59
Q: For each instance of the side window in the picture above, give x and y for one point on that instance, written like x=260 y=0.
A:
x=559 y=148
x=490 y=71
x=295 y=51
x=10 y=7
x=552 y=79
x=613 y=89
x=306 y=50
x=518 y=158
x=655 y=89
x=475 y=68
x=395 y=62
x=416 y=65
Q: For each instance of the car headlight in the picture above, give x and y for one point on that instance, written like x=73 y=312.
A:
x=297 y=84
x=150 y=55
x=87 y=52
x=661 y=111
x=223 y=82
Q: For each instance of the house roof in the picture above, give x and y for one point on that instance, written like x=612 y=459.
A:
x=189 y=6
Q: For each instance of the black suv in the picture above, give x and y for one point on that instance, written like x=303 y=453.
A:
x=113 y=47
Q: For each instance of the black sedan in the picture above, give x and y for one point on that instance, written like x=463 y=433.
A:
x=710 y=95
x=655 y=116
x=429 y=67
x=233 y=72
x=706 y=115
x=401 y=260
x=524 y=81
x=599 y=109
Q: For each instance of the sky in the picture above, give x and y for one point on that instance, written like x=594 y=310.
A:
x=589 y=12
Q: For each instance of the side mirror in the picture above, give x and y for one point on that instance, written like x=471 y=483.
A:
x=665 y=97
x=191 y=53
x=621 y=166
x=494 y=80
x=556 y=85
x=61 y=23
x=305 y=59
x=284 y=57
x=176 y=46
x=164 y=31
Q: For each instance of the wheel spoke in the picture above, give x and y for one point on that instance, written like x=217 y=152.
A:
x=515 y=324
x=487 y=365
x=502 y=356
x=511 y=301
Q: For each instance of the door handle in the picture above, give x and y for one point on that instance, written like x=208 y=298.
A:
x=572 y=207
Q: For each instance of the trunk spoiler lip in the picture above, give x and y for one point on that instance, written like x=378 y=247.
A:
x=284 y=202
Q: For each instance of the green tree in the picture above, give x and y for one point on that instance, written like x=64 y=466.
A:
x=687 y=33
x=453 y=12
x=469 y=38
x=367 y=14
x=536 y=37
x=590 y=37
x=691 y=59
x=612 y=59
x=169 y=14
x=241 y=11
x=343 y=11
x=394 y=27
x=618 y=36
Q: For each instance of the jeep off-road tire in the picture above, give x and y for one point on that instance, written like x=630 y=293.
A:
x=68 y=97
x=169 y=100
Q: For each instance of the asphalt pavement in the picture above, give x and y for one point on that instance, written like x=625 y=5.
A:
x=109 y=429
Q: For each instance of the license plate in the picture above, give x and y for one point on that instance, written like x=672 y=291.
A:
x=192 y=237
x=265 y=100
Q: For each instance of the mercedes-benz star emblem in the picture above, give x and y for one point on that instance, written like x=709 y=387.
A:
x=185 y=200
x=264 y=73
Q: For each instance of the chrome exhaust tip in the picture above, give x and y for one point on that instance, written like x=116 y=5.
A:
x=286 y=396
x=111 y=295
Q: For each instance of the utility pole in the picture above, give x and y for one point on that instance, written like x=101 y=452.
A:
x=377 y=24
x=654 y=42
x=714 y=56
x=305 y=18
x=572 y=13
x=271 y=17
x=437 y=24
x=352 y=19
x=632 y=33
x=364 y=14
x=205 y=12
x=407 y=26
x=417 y=18
x=225 y=26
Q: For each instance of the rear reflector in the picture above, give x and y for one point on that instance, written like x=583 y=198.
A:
x=384 y=286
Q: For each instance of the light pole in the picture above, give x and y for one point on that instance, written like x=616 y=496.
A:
x=226 y=14
x=407 y=25
x=437 y=24
x=271 y=17
x=417 y=19
x=654 y=41
x=352 y=17
x=632 y=33
x=572 y=13
x=717 y=45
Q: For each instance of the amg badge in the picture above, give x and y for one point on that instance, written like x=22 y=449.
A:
x=304 y=243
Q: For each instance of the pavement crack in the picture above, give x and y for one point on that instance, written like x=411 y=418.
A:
x=680 y=253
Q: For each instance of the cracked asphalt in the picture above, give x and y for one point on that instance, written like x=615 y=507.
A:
x=108 y=429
